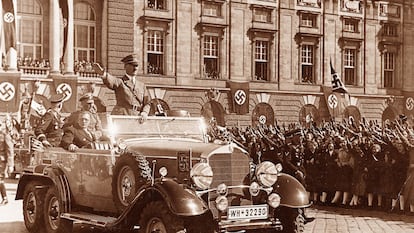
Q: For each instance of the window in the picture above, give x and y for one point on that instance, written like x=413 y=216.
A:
x=308 y=20
x=157 y=4
x=30 y=31
x=261 y=60
x=307 y=64
x=262 y=15
x=212 y=9
x=211 y=57
x=389 y=68
x=350 y=25
x=155 y=52
x=85 y=25
x=349 y=66
x=389 y=30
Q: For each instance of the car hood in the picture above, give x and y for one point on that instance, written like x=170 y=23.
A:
x=170 y=147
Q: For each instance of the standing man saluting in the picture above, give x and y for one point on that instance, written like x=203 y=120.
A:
x=131 y=94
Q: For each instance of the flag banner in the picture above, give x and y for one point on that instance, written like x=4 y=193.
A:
x=9 y=25
x=409 y=103
x=239 y=95
x=63 y=4
x=337 y=84
x=334 y=102
x=9 y=93
x=67 y=87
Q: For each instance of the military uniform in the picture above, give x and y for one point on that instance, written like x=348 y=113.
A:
x=50 y=127
x=6 y=159
x=130 y=93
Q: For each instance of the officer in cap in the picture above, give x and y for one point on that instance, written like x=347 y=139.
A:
x=49 y=131
x=87 y=104
x=131 y=94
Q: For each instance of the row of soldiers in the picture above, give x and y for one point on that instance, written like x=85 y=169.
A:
x=339 y=163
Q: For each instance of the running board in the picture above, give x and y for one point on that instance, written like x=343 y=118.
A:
x=88 y=218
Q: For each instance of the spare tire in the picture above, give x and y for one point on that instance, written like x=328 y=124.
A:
x=130 y=173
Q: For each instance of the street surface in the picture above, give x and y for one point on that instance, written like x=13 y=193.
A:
x=327 y=219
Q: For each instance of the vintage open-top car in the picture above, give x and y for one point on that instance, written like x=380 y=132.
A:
x=158 y=175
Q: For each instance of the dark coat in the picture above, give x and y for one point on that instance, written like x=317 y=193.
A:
x=50 y=128
x=77 y=137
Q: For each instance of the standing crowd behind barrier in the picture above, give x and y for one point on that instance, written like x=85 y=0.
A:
x=340 y=164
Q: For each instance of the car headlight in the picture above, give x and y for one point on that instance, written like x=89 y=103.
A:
x=202 y=175
x=266 y=173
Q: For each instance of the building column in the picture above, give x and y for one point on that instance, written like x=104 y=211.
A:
x=69 y=56
x=54 y=37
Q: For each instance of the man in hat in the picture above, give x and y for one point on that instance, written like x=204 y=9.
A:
x=131 y=94
x=49 y=131
x=79 y=135
x=87 y=104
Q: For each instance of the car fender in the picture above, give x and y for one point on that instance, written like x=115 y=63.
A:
x=292 y=193
x=181 y=200
x=49 y=176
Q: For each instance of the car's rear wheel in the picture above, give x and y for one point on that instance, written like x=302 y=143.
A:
x=126 y=181
x=52 y=212
x=156 y=217
x=33 y=207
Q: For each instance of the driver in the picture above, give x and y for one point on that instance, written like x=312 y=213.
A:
x=79 y=135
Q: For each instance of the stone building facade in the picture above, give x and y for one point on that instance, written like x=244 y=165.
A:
x=278 y=53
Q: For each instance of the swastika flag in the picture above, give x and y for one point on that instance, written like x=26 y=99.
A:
x=67 y=87
x=63 y=4
x=239 y=94
x=337 y=85
x=9 y=25
x=9 y=93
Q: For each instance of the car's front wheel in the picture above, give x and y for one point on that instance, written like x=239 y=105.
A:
x=33 y=207
x=156 y=217
x=292 y=220
x=52 y=212
x=127 y=179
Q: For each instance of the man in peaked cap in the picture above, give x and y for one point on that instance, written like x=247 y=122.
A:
x=131 y=94
x=49 y=131
x=87 y=104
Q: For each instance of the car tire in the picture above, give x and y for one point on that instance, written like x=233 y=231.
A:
x=292 y=220
x=52 y=212
x=126 y=181
x=156 y=217
x=33 y=207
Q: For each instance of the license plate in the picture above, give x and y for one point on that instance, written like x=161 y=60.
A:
x=247 y=212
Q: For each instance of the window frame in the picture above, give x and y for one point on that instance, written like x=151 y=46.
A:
x=91 y=26
x=350 y=61
x=205 y=11
x=211 y=56
x=310 y=49
x=261 y=59
x=390 y=29
x=163 y=4
x=306 y=18
x=266 y=17
x=158 y=52
x=350 y=25
x=389 y=59
x=36 y=17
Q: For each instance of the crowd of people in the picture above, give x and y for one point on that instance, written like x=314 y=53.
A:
x=348 y=164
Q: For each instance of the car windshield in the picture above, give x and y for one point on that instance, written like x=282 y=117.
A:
x=125 y=127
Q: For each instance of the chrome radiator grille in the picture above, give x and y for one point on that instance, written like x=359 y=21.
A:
x=229 y=169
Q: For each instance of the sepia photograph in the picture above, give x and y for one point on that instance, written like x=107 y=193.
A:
x=206 y=116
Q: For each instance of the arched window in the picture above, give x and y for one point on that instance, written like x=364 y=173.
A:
x=29 y=33
x=85 y=31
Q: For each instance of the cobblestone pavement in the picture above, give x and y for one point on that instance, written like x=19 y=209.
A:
x=327 y=219
x=333 y=219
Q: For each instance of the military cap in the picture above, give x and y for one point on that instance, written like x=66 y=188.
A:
x=56 y=98
x=130 y=59
x=88 y=97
